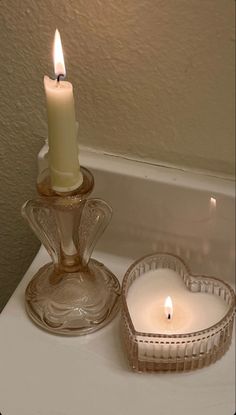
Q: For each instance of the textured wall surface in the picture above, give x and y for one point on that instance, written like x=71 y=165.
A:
x=155 y=80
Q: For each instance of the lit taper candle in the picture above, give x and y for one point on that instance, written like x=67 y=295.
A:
x=62 y=138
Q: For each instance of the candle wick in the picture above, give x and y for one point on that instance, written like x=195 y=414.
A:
x=168 y=316
x=60 y=76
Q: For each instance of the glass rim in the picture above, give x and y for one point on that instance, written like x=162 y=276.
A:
x=208 y=330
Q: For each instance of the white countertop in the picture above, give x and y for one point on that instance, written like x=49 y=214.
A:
x=155 y=209
x=44 y=374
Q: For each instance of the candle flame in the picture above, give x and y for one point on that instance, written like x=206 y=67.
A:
x=168 y=308
x=58 y=58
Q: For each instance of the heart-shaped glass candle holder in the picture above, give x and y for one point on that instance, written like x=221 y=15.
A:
x=170 y=349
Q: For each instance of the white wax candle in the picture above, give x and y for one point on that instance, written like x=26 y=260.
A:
x=191 y=311
x=63 y=147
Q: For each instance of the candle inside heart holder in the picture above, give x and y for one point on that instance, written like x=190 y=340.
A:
x=171 y=320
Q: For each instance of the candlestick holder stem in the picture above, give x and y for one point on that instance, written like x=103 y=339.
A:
x=73 y=294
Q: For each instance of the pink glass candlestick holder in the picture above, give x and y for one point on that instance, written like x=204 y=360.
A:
x=73 y=294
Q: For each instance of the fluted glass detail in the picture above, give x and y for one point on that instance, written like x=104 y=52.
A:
x=73 y=294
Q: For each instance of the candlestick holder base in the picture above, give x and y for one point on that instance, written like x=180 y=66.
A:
x=74 y=294
x=154 y=352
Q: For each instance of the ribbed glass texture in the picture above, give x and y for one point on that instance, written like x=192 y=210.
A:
x=148 y=352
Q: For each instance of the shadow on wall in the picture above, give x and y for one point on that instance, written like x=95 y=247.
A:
x=18 y=254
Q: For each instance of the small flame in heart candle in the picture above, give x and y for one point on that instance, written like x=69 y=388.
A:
x=152 y=311
x=168 y=306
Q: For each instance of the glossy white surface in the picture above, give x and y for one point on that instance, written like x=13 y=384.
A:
x=164 y=209
x=50 y=375
x=43 y=374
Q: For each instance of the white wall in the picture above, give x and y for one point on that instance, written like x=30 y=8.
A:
x=155 y=79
